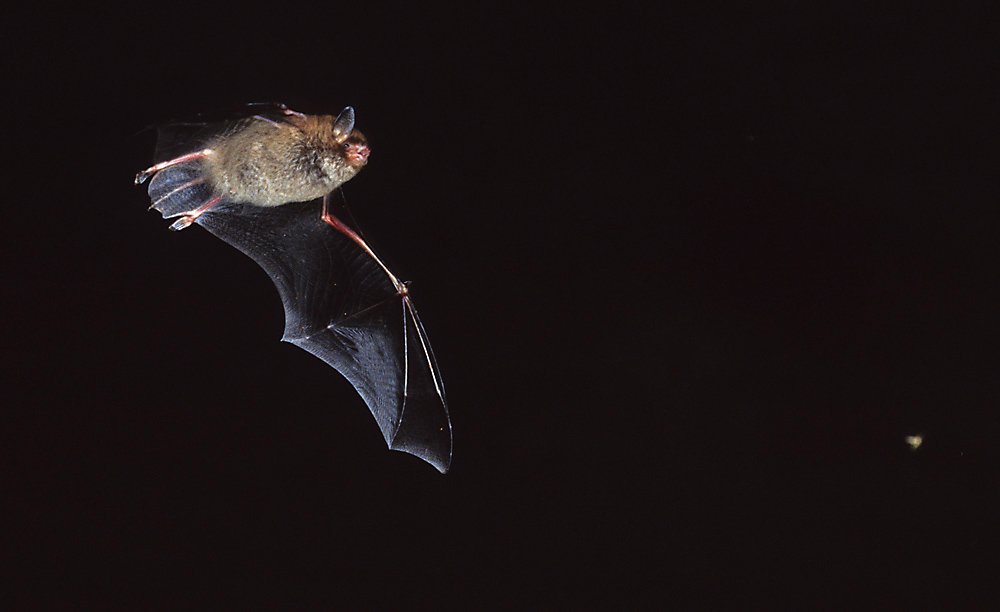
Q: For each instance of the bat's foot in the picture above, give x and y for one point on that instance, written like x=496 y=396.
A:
x=192 y=216
x=183 y=222
x=150 y=171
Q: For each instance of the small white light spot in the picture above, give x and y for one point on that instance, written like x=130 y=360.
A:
x=914 y=441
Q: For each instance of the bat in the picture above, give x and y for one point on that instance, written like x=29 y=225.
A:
x=262 y=182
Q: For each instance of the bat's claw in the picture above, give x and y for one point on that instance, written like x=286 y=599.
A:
x=193 y=215
x=181 y=223
x=142 y=176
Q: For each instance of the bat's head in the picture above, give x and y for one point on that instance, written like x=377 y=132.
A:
x=346 y=151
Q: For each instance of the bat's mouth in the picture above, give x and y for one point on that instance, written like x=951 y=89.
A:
x=357 y=154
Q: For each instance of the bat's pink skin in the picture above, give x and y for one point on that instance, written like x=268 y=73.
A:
x=189 y=218
x=150 y=171
x=357 y=153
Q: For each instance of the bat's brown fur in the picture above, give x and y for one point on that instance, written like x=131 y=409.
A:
x=269 y=164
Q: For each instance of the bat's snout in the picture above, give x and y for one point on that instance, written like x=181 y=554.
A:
x=357 y=154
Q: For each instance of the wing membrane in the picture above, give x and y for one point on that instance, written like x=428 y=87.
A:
x=341 y=307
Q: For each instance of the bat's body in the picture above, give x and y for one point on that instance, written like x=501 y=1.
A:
x=254 y=182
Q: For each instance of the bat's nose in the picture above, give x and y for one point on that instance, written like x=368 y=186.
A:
x=358 y=153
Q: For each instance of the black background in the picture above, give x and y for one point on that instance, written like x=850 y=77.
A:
x=692 y=278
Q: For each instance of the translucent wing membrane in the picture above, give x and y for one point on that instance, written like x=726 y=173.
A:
x=340 y=305
x=384 y=352
x=180 y=189
x=176 y=139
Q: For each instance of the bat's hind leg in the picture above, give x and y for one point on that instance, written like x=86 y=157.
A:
x=181 y=188
x=150 y=171
x=192 y=216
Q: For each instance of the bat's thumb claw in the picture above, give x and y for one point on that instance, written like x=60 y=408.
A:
x=142 y=176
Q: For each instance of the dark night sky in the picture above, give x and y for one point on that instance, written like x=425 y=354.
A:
x=691 y=279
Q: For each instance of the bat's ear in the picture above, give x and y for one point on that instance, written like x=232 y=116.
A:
x=344 y=124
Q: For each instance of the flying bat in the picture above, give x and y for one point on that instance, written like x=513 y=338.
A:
x=262 y=182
